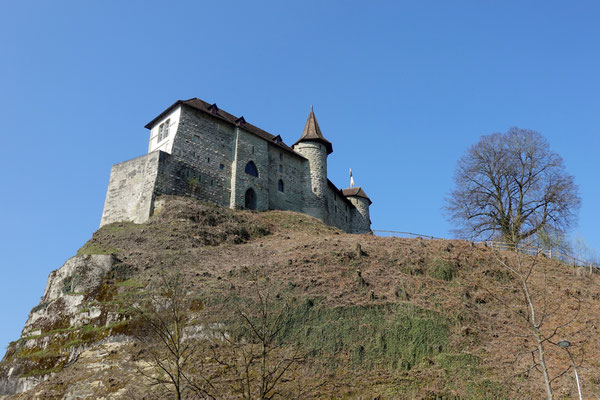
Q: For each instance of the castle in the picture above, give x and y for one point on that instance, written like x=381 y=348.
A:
x=198 y=150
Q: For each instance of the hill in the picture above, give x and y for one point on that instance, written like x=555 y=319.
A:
x=370 y=317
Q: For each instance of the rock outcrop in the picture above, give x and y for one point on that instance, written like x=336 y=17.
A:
x=34 y=357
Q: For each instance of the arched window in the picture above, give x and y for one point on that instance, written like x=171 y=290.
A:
x=251 y=169
x=250 y=199
x=280 y=185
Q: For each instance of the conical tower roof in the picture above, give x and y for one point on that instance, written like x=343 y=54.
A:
x=312 y=132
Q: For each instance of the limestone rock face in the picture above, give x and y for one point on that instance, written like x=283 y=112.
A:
x=58 y=313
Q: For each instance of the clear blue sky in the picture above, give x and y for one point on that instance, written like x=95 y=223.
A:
x=402 y=89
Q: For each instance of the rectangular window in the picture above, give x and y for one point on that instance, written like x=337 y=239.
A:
x=280 y=156
x=280 y=168
x=252 y=149
x=221 y=166
x=207 y=159
x=166 y=133
x=161 y=128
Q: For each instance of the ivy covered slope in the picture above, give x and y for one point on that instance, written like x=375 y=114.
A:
x=371 y=316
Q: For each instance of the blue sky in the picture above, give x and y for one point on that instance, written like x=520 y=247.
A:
x=402 y=89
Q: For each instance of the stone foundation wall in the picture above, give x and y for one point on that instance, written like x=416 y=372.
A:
x=131 y=189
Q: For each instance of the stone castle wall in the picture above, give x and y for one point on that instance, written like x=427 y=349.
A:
x=206 y=145
x=134 y=185
x=250 y=148
x=130 y=191
x=292 y=171
x=338 y=210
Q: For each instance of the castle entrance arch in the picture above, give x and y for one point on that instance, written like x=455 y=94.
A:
x=250 y=199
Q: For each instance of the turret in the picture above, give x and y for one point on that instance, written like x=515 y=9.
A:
x=361 y=220
x=315 y=148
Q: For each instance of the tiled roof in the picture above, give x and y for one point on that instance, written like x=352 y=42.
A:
x=357 y=191
x=213 y=110
x=313 y=132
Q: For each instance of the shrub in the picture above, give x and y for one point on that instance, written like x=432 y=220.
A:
x=444 y=270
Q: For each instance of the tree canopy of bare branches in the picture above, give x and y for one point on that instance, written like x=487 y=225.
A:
x=512 y=186
x=166 y=314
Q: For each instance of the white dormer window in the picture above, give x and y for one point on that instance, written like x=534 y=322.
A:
x=163 y=130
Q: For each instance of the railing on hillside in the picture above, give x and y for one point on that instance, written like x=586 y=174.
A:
x=531 y=250
x=409 y=235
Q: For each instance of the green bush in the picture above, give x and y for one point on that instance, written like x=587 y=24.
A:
x=444 y=270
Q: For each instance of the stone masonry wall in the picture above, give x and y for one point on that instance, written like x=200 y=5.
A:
x=255 y=149
x=176 y=177
x=291 y=170
x=204 y=144
x=338 y=210
x=131 y=189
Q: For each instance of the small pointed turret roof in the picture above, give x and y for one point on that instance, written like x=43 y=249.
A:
x=312 y=132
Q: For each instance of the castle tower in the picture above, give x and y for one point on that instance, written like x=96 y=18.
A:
x=361 y=220
x=315 y=148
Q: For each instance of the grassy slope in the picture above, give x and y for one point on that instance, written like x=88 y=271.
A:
x=404 y=318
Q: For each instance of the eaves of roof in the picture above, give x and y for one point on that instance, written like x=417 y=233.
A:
x=215 y=112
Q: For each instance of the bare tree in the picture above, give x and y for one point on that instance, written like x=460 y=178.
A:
x=253 y=352
x=535 y=311
x=166 y=314
x=512 y=185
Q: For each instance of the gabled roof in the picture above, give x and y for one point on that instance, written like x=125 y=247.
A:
x=213 y=110
x=357 y=192
x=312 y=132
